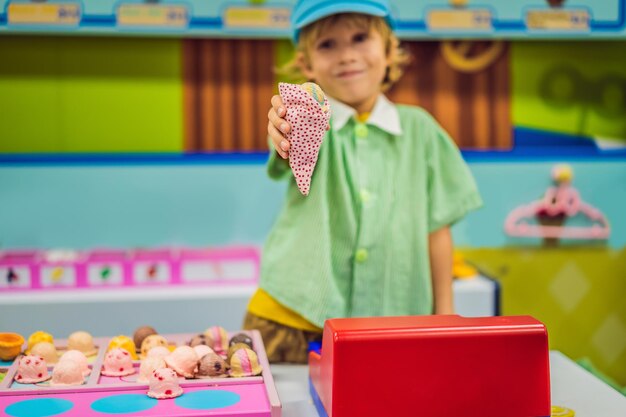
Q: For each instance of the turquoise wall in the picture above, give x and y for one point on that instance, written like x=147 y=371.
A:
x=217 y=203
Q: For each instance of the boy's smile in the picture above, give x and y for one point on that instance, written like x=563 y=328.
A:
x=349 y=63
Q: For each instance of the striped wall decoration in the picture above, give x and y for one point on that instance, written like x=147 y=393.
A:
x=227 y=89
x=473 y=107
x=228 y=84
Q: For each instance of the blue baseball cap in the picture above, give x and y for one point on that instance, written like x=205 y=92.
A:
x=306 y=12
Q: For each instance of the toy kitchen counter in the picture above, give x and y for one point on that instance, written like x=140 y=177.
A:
x=572 y=387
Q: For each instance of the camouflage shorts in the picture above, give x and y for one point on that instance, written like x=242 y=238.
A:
x=282 y=343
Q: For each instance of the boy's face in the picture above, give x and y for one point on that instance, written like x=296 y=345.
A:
x=349 y=63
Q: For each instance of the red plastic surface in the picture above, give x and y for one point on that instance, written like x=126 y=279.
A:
x=433 y=366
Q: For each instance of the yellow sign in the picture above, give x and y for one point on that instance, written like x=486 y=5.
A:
x=44 y=13
x=459 y=20
x=152 y=15
x=257 y=17
x=558 y=19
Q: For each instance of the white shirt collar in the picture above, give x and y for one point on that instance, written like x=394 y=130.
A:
x=384 y=115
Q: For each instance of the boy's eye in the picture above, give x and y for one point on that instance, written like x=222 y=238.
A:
x=325 y=44
x=359 y=37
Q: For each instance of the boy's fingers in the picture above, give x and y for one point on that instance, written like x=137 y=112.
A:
x=279 y=123
x=280 y=143
x=277 y=104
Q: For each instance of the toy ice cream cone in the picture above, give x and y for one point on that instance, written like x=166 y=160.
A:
x=308 y=114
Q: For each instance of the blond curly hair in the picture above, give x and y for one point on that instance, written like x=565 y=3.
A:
x=399 y=58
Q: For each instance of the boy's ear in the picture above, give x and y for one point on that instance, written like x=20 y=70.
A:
x=304 y=65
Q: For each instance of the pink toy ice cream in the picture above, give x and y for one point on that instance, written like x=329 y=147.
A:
x=244 y=362
x=183 y=360
x=67 y=373
x=149 y=365
x=78 y=358
x=202 y=350
x=118 y=362
x=217 y=338
x=158 y=351
x=47 y=351
x=308 y=113
x=31 y=369
x=164 y=384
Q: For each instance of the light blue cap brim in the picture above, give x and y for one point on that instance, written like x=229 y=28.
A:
x=331 y=8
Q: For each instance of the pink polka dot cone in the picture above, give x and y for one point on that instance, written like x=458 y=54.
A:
x=31 y=369
x=118 y=362
x=308 y=119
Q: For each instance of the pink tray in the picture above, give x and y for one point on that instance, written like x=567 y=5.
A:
x=101 y=395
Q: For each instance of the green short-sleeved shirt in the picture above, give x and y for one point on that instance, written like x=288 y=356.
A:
x=357 y=245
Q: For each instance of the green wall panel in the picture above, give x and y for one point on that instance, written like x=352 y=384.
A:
x=62 y=94
x=570 y=87
x=578 y=292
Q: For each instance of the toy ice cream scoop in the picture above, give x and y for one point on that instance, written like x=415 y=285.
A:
x=31 y=369
x=82 y=341
x=77 y=357
x=158 y=351
x=202 y=350
x=217 y=338
x=308 y=113
x=212 y=366
x=10 y=345
x=37 y=337
x=245 y=362
x=233 y=348
x=118 y=362
x=141 y=333
x=164 y=384
x=149 y=365
x=125 y=343
x=241 y=338
x=150 y=342
x=47 y=351
x=198 y=339
x=67 y=373
x=183 y=360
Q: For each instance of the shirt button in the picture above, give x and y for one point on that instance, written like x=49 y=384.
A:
x=361 y=255
x=360 y=130
x=365 y=196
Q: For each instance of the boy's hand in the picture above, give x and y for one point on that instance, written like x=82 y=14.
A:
x=277 y=126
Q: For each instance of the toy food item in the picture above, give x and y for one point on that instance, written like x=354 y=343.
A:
x=198 y=339
x=244 y=362
x=37 y=337
x=308 y=113
x=118 y=362
x=158 y=352
x=67 y=373
x=164 y=384
x=217 y=338
x=149 y=365
x=31 y=369
x=241 y=338
x=233 y=348
x=47 y=351
x=150 y=342
x=183 y=360
x=10 y=345
x=77 y=357
x=125 y=343
x=82 y=341
x=212 y=366
x=141 y=333
x=202 y=350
